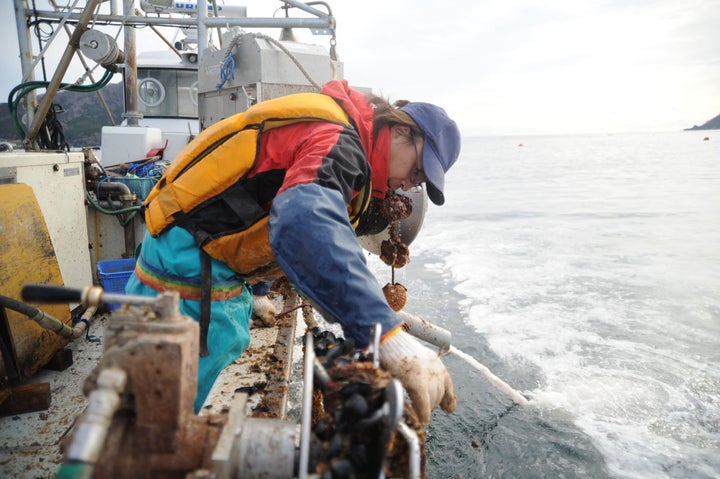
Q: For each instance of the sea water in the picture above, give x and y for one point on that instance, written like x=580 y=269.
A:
x=585 y=272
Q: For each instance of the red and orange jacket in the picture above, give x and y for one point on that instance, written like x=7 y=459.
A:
x=294 y=209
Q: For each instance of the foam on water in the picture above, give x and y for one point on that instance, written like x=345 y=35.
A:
x=597 y=260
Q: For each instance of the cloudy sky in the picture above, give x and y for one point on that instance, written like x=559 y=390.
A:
x=519 y=66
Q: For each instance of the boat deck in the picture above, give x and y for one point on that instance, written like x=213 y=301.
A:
x=30 y=443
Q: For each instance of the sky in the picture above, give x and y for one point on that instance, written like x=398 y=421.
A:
x=517 y=67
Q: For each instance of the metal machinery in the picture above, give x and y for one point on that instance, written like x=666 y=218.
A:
x=139 y=421
x=252 y=68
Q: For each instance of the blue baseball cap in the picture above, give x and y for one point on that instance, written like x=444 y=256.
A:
x=442 y=145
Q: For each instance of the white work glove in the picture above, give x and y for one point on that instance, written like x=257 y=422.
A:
x=263 y=312
x=421 y=372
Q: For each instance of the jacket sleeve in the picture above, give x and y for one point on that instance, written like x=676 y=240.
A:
x=316 y=246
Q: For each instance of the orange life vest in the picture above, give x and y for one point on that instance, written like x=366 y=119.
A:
x=220 y=157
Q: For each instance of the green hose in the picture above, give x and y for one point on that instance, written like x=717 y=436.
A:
x=75 y=470
x=131 y=209
x=27 y=87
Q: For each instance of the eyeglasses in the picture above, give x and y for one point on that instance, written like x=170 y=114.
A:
x=417 y=177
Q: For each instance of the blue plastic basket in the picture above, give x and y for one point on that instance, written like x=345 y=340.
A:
x=114 y=275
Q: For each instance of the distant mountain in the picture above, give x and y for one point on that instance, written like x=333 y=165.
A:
x=713 y=124
x=82 y=118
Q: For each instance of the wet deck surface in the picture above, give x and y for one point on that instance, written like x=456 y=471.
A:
x=30 y=444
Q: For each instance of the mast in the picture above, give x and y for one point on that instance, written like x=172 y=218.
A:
x=131 y=80
x=23 y=34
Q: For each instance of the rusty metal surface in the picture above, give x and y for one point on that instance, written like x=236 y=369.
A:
x=27 y=256
x=280 y=366
x=160 y=359
x=263 y=371
x=155 y=432
x=30 y=444
x=245 y=374
x=189 y=451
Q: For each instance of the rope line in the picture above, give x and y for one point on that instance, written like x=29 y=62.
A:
x=229 y=60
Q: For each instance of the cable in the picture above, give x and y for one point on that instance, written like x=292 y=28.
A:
x=51 y=135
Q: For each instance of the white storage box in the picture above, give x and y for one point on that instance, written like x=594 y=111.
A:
x=127 y=144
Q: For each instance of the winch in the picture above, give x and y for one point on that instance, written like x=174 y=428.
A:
x=139 y=421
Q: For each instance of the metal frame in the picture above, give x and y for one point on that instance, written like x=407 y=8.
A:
x=323 y=23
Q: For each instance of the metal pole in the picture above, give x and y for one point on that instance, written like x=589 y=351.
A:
x=54 y=85
x=211 y=22
x=201 y=27
x=26 y=55
x=131 y=80
x=48 y=43
x=307 y=8
x=306 y=418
